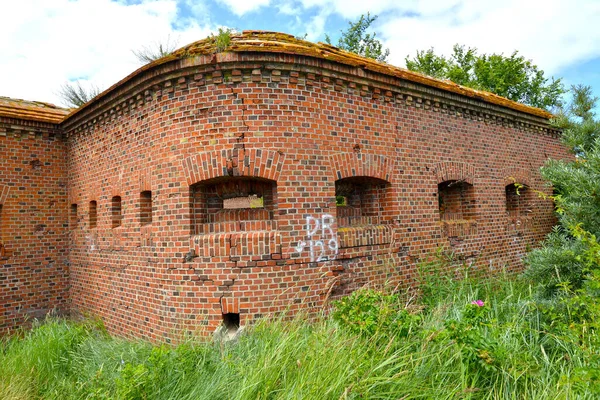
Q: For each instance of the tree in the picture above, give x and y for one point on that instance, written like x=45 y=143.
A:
x=156 y=50
x=512 y=77
x=571 y=253
x=74 y=95
x=356 y=40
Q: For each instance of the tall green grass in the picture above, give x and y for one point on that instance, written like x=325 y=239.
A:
x=453 y=350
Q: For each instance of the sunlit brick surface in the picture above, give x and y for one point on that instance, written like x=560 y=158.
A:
x=155 y=159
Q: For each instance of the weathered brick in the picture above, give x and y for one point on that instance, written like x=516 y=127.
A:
x=174 y=143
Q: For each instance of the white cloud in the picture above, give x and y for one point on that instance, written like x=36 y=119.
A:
x=199 y=11
x=241 y=7
x=46 y=43
x=351 y=9
x=315 y=28
x=289 y=7
x=91 y=40
x=555 y=34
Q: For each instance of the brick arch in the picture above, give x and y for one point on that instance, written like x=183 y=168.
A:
x=259 y=163
x=3 y=193
x=454 y=171
x=512 y=175
x=347 y=165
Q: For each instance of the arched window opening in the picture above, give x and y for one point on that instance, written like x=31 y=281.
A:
x=519 y=201
x=360 y=201
x=456 y=201
x=146 y=207
x=233 y=204
x=93 y=214
x=116 y=212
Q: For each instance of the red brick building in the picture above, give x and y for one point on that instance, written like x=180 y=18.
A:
x=34 y=242
x=202 y=188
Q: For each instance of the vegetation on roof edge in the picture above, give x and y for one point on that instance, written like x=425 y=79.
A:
x=267 y=41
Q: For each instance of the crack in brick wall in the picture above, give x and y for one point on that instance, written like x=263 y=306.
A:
x=304 y=127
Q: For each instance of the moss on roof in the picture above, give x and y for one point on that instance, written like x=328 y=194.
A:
x=31 y=110
x=263 y=41
x=275 y=42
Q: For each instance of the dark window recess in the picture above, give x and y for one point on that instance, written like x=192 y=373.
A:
x=116 y=211
x=146 y=207
x=238 y=204
x=93 y=214
x=73 y=217
x=456 y=201
x=519 y=201
x=360 y=201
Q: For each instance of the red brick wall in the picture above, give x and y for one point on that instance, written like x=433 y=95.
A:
x=33 y=222
x=302 y=124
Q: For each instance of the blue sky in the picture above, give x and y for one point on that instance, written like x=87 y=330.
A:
x=48 y=42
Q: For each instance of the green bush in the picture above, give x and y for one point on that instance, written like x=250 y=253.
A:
x=367 y=312
x=562 y=264
x=481 y=351
x=555 y=266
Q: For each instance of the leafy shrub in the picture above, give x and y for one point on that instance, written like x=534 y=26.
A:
x=480 y=350
x=561 y=265
x=367 y=312
x=556 y=265
x=134 y=382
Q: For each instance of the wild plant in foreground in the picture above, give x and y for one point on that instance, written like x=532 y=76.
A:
x=485 y=340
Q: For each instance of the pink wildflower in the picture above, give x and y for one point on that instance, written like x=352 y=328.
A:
x=479 y=303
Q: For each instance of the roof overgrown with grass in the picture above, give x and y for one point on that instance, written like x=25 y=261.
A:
x=31 y=110
x=274 y=42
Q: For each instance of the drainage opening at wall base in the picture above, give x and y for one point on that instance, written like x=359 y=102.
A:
x=231 y=322
x=341 y=201
x=230 y=329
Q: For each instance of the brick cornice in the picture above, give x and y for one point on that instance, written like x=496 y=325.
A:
x=29 y=128
x=234 y=68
